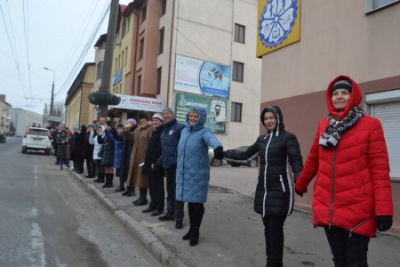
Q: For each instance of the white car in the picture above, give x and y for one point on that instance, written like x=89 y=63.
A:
x=36 y=139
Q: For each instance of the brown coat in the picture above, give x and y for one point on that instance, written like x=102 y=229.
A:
x=141 y=138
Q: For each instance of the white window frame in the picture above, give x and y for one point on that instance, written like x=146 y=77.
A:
x=389 y=98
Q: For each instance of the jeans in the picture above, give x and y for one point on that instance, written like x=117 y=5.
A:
x=174 y=207
x=347 y=251
x=273 y=231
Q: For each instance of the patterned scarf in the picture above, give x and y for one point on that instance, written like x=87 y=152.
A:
x=335 y=130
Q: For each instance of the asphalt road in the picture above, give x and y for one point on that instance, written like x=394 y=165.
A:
x=47 y=219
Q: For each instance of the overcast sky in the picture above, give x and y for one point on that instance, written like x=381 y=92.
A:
x=46 y=33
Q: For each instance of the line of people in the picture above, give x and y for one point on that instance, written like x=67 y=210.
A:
x=352 y=192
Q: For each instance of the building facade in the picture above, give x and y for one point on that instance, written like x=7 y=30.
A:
x=4 y=115
x=357 y=38
x=23 y=119
x=78 y=110
x=177 y=53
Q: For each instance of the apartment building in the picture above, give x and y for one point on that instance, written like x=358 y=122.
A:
x=4 y=115
x=325 y=39
x=179 y=53
x=23 y=119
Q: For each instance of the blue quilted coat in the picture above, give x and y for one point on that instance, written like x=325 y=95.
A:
x=193 y=172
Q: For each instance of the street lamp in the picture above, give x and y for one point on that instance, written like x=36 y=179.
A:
x=52 y=90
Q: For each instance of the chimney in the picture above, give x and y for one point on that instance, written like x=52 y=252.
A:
x=3 y=98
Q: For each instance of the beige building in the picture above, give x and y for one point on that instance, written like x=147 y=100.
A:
x=358 y=38
x=78 y=110
x=4 y=115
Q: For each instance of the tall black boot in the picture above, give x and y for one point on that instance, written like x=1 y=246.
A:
x=100 y=178
x=142 y=200
x=109 y=180
x=198 y=212
x=190 y=209
x=121 y=186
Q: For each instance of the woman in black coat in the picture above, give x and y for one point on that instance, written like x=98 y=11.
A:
x=107 y=158
x=274 y=197
x=127 y=145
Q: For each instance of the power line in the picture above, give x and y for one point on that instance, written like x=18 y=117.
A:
x=25 y=15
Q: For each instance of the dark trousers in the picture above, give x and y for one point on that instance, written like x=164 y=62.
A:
x=174 y=207
x=347 y=251
x=156 y=189
x=78 y=166
x=99 y=167
x=91 y=167
x=273 y=231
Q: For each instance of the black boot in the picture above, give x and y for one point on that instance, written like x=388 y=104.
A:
x=198 y=212
x=109 y=180
x=188 y=234
x=100 y=178
x=121 y=186
x=142 y=200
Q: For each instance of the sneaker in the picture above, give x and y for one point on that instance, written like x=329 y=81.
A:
x=178 y=224
x=166 y=217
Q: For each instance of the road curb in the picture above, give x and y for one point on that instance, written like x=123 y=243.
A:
x=134 y=227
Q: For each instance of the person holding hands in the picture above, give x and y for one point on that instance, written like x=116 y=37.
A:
x=352 y=195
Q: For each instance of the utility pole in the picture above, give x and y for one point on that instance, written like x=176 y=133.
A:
x=52 y=90
x=108 y=56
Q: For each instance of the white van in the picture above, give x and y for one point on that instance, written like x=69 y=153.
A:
x=36 y=139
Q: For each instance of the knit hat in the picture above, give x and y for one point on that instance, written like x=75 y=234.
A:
x=90 y=126
x=342 y=84
x=143 y=115
x=110 y=124
x=168 y=110
x=158 y=116
x=76 y=127
x=83 y=128
x=132 y=121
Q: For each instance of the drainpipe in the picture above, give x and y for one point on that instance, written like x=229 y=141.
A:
x=135 y=54
x=170 y=52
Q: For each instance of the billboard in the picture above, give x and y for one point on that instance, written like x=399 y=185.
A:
x=278 y=24
x=216 y=110
x=139 y=103
x=202 y=77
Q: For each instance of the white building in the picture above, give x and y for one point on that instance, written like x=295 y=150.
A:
x=23 y=119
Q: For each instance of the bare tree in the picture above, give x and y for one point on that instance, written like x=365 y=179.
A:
x=59 y=109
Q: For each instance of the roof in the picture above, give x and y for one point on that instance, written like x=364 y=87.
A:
x=102 y=39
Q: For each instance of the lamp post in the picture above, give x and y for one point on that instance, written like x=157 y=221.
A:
x=52 y=90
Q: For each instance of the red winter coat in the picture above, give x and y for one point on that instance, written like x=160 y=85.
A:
x=352 y=184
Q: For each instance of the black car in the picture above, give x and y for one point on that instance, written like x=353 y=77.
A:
x=2 y=137
x=250 y=162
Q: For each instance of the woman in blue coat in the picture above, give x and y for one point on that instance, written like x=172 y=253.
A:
x=193 y=171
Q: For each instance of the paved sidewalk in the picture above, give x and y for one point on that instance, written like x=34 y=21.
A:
x=231 y=233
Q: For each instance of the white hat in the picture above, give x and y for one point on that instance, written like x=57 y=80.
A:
x=158 y=116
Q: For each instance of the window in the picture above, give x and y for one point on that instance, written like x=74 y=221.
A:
x=163 y=7
x=159 y=76
x=123 y=59
x=237 y=72
x=144 y=11
x=161 y=47
x=99 y=70
x=239 y=33
x=236 y=111
x=386 y=106
x=141 y=48
x=123 y=27
x=126 y=55
x=139 y=84
x=377 y=4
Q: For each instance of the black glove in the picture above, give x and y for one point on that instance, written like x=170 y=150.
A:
x=219 y=153
x=299 y=193
x=384 y=223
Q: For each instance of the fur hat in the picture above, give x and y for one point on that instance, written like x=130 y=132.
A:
x=158 y=116
x=143 y=115
x=83 y=128
x=342 y=84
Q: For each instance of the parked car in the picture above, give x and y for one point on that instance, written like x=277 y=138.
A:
x=36 y=139
x=250 y=162
x=2 y=137
x=213 y=161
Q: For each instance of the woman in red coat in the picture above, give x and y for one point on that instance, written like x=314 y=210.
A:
x=349 y=160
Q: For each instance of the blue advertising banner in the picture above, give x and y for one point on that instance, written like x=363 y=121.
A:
x=216 y=110
x=202 y=77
